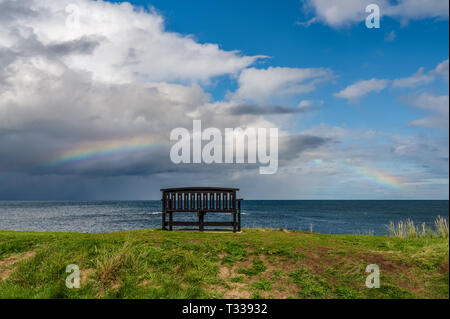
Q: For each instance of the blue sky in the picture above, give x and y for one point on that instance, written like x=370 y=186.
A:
x=367 y=109
x=353 y=52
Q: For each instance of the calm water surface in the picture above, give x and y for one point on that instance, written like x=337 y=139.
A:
x=337 y=217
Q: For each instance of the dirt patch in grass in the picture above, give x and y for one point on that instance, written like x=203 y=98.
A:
x=285 y=266
x=225 y=272
x=386 y=265
x=237 y=291
x=409 y=285
x=318 y=258
x=444 y=267
x=145 y=283
x=86 y=274
x=283 y=289
x=282 y=286
x=7 y=264
x=193 y=241
x=276 y=273
x=402 y=273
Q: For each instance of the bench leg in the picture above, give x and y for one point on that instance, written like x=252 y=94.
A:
x=164 y=221
x=200 y=221
x=239 y=221
x=234 y=222
x=170 y=221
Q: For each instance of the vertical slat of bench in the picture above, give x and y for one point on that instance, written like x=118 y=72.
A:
x=233 y=200
x=225 y=201
x=233 y=207
x=205 y=201
x=172 y=201
x=218 y=201
x=166 y=195
x=239 y=214
x=164 y=200
x=179 y=201
x=211 y=202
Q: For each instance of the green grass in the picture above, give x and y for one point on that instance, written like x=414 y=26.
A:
x=257 y=263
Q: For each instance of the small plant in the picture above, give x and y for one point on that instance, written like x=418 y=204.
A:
x=311 y=285
x=237 y=279
x=441 y=225
x=262 y=285
x=110 y=263
x=407 y=229
x=257 y=267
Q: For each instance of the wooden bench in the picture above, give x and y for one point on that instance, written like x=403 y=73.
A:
x=201 y=200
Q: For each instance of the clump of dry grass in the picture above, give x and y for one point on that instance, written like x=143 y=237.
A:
x=441 y=226
x=111 y=262
x=407 y=229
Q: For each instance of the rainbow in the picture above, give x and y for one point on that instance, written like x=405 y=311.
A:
x=373 y=176
x=100 y=150
x=380 y=178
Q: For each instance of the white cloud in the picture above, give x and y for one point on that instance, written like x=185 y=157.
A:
x=416 y=9
x=262 y=84
x=308 y=23
x=119 y=75
x=437 y=106
x=417 y=79
x=359 y=89
x=442 y=69
x=304 y=104
x=337 y=13
x=133 y=44
x=344 y=12
x=421 y=78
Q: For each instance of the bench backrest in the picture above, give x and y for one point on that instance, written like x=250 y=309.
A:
x=197 y=199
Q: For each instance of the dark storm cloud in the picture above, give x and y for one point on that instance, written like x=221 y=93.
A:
x=13 y=10
x=32 y=46
x=6 y=58
x=158 y=161
x=291 y=146
x=143 y=83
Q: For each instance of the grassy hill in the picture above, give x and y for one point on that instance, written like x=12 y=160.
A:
x=257 y=263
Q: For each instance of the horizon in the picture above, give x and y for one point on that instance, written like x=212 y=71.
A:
x=251 y=199
x=90 y=92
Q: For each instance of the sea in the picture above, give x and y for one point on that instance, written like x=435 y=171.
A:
x=369 y=217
